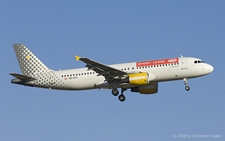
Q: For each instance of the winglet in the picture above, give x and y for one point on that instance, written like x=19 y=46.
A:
x=77 y=58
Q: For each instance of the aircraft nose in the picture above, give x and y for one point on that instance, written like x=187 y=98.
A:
x=209 y=68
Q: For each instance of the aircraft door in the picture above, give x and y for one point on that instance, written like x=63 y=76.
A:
x=184 y=63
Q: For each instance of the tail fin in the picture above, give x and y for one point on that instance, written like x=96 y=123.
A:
x=29 y=63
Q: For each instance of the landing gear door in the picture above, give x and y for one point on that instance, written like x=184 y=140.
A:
x=183 y=63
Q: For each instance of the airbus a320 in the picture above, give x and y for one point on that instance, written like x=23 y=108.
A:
x=141 y=77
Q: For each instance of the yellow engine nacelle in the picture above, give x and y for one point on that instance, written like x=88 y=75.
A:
x=137 y=79
x=152 y=88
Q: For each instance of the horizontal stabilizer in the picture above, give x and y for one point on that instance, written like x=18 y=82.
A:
x=22 y=77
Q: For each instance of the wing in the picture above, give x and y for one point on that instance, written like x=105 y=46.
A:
x=108 y=72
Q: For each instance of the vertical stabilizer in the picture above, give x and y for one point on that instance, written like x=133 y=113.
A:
x=29 y=63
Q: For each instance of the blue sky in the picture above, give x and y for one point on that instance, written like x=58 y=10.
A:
x=113 y=32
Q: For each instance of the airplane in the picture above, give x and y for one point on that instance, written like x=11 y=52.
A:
x=141 y=77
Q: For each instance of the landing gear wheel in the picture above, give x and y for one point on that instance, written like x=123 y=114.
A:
x=187 y=88
x=122 y=98
x=115 y=92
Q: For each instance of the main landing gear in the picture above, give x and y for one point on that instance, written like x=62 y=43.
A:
x=115 y=92
x=187 y=88
x=121 y=97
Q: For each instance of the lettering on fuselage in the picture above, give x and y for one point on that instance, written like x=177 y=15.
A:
x=157 y=62
x=69 y=78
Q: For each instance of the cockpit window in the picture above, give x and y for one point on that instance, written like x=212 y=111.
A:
x=198 y=61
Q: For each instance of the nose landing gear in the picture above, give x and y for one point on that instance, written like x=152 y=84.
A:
x=187 y=88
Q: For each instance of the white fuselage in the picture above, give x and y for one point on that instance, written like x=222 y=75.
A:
x=82 y=78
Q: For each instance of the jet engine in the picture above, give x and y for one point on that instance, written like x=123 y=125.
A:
x=142 y=78
x=147 y=89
